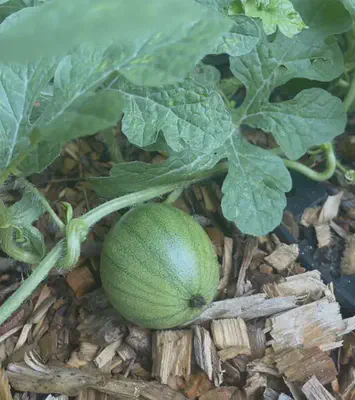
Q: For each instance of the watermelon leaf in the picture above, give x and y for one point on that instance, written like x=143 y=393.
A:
x=134 y=176
x=146 y=42
x=254 y=187
x=274 y=14
x=313 y=116
x=189 y=115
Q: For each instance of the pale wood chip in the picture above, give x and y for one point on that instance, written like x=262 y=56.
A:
x=44 y=294
x=347 y=265
x=206 y=355
x=227 y=264
x=107 y=354
x=314 y=390
x=23 y=337
x=172 y=354
x=5 y=393
x=314 y=324
x=310 y=216
x=330 y=208
x=41 y=310
x=348 y=325
x=126 y=352
x=128 y=389
x=88 y=351
x=331 y=346
x=249 y=250
x=283 y=257
x=248 y=307
x=10 y=333
x=324 y=234
x=308 y=284
x=299 y=365
x=71 y=381
x=231 y=338
x=339 y=230
x=263 y=368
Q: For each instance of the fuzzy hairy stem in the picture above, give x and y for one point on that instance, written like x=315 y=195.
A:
x=31 y=283
x=312 y=174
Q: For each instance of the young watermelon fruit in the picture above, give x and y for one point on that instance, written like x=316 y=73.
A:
x=158 y=267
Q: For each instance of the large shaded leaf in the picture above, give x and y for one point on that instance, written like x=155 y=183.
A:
x=147 y=42
x=350 y=6
x=187 y=114
x=9 y=7
x=87 y=115
x=254 y=188
x=39 y=158
x=133 y=176
x=19 y=88
x=323 y=17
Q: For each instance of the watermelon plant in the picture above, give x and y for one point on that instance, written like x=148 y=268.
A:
x=70 y=69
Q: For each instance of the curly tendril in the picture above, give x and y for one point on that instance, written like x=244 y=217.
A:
x=76 y=232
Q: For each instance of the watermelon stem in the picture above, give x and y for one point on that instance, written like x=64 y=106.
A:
x=197 y=301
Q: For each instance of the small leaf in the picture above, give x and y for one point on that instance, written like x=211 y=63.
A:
x=254 y=188
x=275 y=13
x=293 y=122
x=134 y=176
x=186 y=113
x=20 y=239
x=272 y=64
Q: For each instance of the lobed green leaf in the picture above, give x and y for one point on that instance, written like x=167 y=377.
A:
x=188 y=114
x=134 y=176
x=311 y=117
x=254 y=187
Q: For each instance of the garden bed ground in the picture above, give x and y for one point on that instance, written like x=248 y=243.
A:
x=277 y=331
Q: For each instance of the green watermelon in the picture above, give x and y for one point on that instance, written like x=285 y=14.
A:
x=158 y=267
